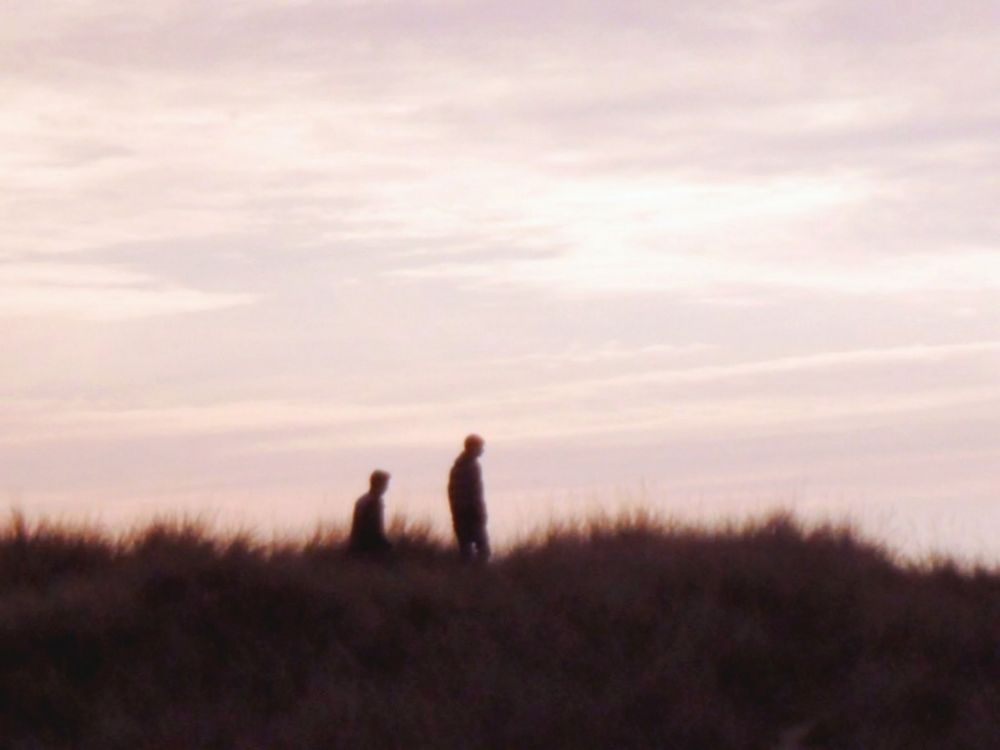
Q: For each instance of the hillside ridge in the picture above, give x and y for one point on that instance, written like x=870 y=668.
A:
x=627 y=633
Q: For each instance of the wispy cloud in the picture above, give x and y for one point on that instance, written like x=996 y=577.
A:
x=98 y=293
x=803 y=364
x=562 y=408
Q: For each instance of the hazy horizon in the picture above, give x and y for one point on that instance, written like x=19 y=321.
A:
x=712 y=257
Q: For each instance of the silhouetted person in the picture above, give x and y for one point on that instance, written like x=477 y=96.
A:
x=368 y=524
x=468 y=508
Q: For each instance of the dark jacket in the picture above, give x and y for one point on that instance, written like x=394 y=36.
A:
x=465 y=493
x=368 y=526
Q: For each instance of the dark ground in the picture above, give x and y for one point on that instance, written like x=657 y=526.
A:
x=624 y=635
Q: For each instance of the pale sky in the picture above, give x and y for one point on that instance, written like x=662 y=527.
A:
x=707 y=256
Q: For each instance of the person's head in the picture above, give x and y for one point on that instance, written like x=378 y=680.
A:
x=379 y=481
x=474 y=445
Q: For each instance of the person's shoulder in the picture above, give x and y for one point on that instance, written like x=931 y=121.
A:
x=365 y=499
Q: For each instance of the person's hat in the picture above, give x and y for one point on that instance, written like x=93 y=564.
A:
x=379 y=476
x=474 y=441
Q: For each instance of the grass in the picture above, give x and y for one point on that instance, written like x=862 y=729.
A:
x=628 y=633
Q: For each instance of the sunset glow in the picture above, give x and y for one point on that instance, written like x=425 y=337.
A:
x=708 y=257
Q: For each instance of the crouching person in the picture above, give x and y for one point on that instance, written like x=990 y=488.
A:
x=368 y=525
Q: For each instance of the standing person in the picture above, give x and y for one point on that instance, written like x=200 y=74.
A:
x=368 y=525
x=468 y=508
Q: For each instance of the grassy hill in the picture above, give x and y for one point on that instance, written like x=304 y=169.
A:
x=618 y=635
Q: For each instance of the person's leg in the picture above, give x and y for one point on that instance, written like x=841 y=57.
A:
x=465 y=546
x=482 y=544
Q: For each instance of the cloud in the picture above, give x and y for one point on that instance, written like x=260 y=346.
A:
x=373 y=123
x=93 y=292
x=614 y=269
x=612 y=352
x=395 y=219
x=560 y=408
x=802 y=364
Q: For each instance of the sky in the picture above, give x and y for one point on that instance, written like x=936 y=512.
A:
x=705 y=257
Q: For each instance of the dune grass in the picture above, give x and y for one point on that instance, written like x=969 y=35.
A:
x=626 y=633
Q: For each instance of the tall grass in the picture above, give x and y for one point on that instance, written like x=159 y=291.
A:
x=624 y=633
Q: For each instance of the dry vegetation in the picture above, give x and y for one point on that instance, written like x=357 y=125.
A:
x=618 y=635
